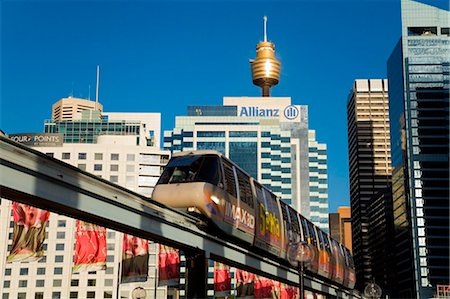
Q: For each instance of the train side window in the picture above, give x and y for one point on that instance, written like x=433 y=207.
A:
x=230 y=183
x=313 y=235
x=209 y=171
x=306 y=235
x=294 y=220
x=245 y=189
x=321 y=241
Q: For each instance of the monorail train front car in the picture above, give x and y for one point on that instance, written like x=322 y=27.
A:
x=209 y=184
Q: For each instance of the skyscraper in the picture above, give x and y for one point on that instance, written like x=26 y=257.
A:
x=255 y=133
x=369 y=163
x=418 y=72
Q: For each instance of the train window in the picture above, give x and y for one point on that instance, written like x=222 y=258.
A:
x=294 y=220
x=306 y=236
x=230 y=183
x=209 y=171
x=287 y=221
x=321 y=241
x=245 y=189
x=259 y=193
x=191 y=169
x=312 y=232
x=177 y=169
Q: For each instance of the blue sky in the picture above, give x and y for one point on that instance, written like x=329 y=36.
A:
x=160 y=56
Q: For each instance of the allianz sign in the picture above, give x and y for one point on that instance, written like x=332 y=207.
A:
x=290 y=112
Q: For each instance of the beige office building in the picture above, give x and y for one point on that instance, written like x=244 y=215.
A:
x=128 y=155
x=341 y=226
x=70 y=108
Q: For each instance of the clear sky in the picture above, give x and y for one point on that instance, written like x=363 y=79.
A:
x=161 y=56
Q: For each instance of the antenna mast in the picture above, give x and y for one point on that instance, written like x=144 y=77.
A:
x=265 y=28
x=96 y=89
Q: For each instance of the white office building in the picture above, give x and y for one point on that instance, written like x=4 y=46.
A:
x=266 y=136
x=122 y=148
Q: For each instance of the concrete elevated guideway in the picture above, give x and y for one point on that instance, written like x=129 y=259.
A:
x=29 y=176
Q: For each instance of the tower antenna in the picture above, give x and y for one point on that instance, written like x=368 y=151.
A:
x=265 y=28
x=96 y=89
x=89 y=94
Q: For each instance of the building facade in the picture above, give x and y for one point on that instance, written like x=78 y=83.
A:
x=118 y=150
x=318 y=182
x=340 y=224
x=418 y=72
x=369 y=150
x=268 y=138
x=70 y=108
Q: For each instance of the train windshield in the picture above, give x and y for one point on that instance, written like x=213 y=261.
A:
x=194 y=168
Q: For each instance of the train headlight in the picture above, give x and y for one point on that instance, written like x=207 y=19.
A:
x=215 y=199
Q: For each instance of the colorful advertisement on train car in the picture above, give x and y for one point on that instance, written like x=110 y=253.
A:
x=268 y=221
x=239 y=204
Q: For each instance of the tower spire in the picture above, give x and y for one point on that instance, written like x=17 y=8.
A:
x=265 y=28
x=265 y=67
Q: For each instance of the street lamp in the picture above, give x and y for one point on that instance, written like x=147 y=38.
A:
x=300 y=254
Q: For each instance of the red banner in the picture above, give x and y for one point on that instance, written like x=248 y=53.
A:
x=28 y=233
x=169 y=266
x=222 y=280
x=244 y=284
x=90 y=247
x=134 y=259
x=264 y=288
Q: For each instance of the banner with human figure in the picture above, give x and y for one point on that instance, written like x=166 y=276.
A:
x=28 y=233
x=222 y=280
x=169 y=266
x=134 y=259
x=90 y=247
x=264 y=288
x=244 y=284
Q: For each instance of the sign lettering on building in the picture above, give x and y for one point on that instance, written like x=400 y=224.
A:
x=38 y=139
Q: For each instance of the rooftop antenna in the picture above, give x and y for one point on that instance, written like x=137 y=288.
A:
x=96 y=89
x=89 y=94
x=71 y=92
x=265 y=28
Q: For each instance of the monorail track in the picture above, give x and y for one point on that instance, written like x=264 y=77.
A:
x=29 y=176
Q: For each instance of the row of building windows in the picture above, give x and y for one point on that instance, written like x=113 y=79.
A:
x=57 y=295
x=97 y=156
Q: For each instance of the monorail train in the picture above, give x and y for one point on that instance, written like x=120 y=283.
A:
x=210 y=184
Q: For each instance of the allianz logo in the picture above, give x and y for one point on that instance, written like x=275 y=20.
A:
x=290 y=112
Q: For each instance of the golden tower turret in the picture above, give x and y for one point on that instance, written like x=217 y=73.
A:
x=265 y=68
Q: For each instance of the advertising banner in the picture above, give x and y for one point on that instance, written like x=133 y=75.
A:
x=222 y=280
x=264 y=288
x=244 y=284
x=90 y=247
x=134 y=259
x=169 y=266
x=28 y=233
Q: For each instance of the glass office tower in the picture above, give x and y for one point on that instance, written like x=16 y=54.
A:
x=418 y=73
x=268 y=138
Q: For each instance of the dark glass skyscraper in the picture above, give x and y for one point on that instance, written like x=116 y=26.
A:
x=418 y=73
